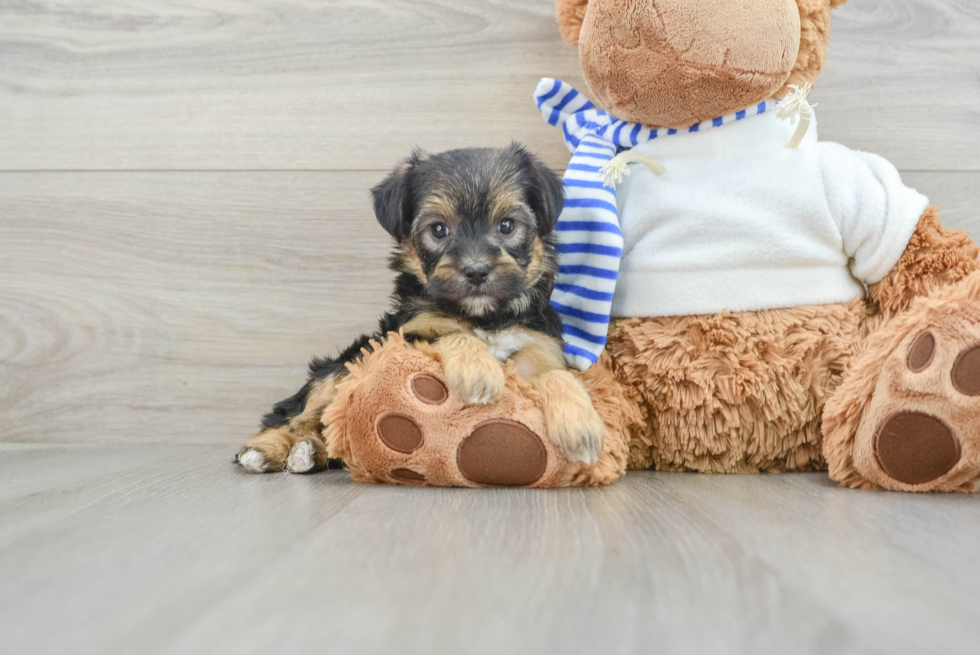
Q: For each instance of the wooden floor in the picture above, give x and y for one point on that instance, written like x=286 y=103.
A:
x=184 y=221
x=169 y=549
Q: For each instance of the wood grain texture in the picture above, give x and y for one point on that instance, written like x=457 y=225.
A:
x=354 y=84
x=170 y=549
x=176 y=307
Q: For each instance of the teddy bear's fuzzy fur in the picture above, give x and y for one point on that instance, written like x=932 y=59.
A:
x=745 y=392
x=792 y=389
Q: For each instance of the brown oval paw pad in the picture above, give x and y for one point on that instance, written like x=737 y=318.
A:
x=399 y=432
x=429 y=389
x=921 y=353
x=914 y=448
x=502 y=453
x=966 y=371
x=407 y=474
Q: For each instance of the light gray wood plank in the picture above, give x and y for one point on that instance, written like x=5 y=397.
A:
x=345 y=85
x=956 y=195
x=176 y=307
x=900 y=75
x=170 y=549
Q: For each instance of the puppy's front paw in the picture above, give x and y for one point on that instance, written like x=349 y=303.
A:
x=573 y=424
x=477 y=380
x=579 y=435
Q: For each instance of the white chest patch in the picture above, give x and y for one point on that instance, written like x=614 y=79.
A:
x=505 y=343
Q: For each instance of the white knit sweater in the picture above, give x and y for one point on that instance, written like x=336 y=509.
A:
x=739 y=222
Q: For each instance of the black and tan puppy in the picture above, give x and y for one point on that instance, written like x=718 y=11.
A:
x=475 y=267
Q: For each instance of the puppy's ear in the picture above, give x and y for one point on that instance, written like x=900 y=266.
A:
x=545 y=192
x=570 y=14
x=393 y=198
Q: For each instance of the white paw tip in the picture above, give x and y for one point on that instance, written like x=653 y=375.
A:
x=583 y=456
x=252 y=461
x=301 y=457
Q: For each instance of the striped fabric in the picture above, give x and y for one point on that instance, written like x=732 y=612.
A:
x=589 y=241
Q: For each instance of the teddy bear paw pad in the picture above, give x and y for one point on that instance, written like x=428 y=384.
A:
x=429 y=389
x=400 y=432
x=966 y=372
x=915 y=448
x=922 y=352
x=502 y=453
x=407 y=475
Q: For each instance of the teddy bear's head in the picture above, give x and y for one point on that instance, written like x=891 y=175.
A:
x=673 y=63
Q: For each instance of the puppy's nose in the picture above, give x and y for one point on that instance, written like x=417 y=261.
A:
x=476 y=273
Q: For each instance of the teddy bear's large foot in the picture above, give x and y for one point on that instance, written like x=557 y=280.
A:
x=907 y=416
x=396 y=421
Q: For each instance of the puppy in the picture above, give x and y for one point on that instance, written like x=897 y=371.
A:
x=475 y=268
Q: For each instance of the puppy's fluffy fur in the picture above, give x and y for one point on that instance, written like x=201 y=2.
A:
x=475 y=268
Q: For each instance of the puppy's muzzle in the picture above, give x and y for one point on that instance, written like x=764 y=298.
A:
x=476 y=274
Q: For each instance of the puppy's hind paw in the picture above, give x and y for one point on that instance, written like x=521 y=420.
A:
x=307 y=456
x=253 y=461
x=302 y=457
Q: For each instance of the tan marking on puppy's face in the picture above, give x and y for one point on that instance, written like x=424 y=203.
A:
x=507 y=265
x=406 y=260
x=436 y=208
x=541 y=264
x=506 y=201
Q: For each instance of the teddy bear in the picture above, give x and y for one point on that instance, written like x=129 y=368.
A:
x=782 y=304
x=739 y=296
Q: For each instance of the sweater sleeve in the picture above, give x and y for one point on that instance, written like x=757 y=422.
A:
x=875 y=212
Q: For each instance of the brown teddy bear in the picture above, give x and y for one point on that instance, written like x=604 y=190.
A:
x=778 y=303
x=883 y=389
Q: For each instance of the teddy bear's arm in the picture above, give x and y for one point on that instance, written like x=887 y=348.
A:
x=935 y=256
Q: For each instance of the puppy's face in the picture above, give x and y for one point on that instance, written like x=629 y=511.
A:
x=472 y=225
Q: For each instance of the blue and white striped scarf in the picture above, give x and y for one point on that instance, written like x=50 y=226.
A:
x=589 y=241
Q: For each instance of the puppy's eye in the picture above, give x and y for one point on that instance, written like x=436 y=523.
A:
x=506 y=226
x=439 y=230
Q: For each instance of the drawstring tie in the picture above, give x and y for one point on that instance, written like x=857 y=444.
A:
x=795 y=107
x=617 y=169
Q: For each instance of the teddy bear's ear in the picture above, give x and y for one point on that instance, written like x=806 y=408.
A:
x=570 y=14
x=393 y=197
